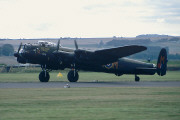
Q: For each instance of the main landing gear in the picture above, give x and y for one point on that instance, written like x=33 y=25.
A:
x=137 y=78
x=44 y=75
x=73 y=76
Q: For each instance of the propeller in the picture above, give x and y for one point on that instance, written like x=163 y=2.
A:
x=17 y=53
x=19 y=47
x=76 y=45
x=19 y=56
x=74 y=64
x=58 y=45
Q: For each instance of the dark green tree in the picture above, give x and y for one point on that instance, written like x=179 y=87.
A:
x=7 y=50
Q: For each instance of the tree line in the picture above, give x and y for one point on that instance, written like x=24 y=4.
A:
x=6 y=50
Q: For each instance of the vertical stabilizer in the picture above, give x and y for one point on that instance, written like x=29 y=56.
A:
x=162 y=62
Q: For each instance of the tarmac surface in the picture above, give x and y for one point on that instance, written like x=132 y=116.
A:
x=88 y=84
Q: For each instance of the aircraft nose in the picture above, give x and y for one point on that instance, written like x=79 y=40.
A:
x=16 y=54
x=19 y=53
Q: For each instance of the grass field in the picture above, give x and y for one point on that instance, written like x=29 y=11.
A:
x=173 y=63
x=90 y=104
x=126 y=103
x=87 y=77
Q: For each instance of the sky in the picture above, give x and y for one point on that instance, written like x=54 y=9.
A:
x=88 y=18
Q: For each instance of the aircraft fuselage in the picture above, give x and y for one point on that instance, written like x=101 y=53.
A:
x=123 y=66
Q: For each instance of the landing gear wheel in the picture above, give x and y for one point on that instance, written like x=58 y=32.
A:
x=73 y=76
x=137 y=78
x=44 y=76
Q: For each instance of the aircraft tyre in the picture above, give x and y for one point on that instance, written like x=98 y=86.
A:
x=44 y=76
x=137 y=78
x=73 y=77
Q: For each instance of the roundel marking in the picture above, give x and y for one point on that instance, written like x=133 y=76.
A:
x=108 y=66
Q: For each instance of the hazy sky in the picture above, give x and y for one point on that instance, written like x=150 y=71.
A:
x=88 y=18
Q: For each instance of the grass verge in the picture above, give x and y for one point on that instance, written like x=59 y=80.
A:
x=87 y=77
x=90 y=103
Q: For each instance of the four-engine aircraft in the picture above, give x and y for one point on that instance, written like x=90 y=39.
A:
x=53 y=57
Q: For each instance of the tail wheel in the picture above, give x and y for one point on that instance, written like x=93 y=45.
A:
x=137 y=79
x=73 y=76
x=44 y=76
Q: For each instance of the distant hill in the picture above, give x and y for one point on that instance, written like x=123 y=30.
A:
x=151 y=36
x=123 y=42
x=153 y=41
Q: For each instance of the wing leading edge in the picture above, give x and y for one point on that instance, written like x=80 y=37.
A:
x=121 y=51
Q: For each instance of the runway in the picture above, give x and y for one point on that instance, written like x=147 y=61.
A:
x=88 y=84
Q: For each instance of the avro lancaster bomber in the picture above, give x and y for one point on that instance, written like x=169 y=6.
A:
x=53 y=56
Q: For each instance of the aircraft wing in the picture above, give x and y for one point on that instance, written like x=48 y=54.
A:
x=121 y=51
x=113 y=54
x=106 y=56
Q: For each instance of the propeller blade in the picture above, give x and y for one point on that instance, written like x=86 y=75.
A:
x=76 y=45
x=58 y=45
x=19 y=47
x=74 y=65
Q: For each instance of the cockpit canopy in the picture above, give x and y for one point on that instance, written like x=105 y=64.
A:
x=39 y=44
x=46 y=44
x=42 y=45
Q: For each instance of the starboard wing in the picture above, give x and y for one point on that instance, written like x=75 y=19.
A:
x=113 y=54
x=106 y=56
